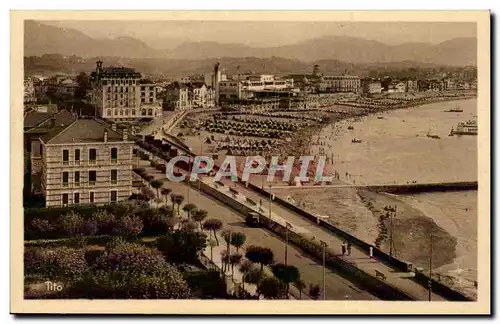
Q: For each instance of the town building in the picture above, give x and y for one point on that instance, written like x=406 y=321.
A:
x=37 y=124
x=66 y=87
x=29 y=91
x=396 y=86
x=194 y=95
x=411 y=85
x=342 y=83
x=371 y=86
x=85 y=162
x=119 y=94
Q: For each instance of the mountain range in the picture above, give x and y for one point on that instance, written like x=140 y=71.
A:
x=42 y=39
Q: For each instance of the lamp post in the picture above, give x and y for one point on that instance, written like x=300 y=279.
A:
x=270 y=200
x=288 y=226
x=324 y=245
x=430 y=273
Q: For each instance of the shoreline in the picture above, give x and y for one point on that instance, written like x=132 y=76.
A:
x=302 y=141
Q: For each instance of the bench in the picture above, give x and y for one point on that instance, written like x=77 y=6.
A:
x=380 y=275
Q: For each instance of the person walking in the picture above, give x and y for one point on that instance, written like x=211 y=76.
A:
x=371 y=252
x=343 y=248
x=349 y=247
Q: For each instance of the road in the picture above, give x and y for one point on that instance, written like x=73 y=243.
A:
x=337 y=288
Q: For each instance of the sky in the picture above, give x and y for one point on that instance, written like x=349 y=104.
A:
x=160 y=33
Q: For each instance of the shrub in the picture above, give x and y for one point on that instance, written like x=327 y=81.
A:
x=54 y=264
x=105 y=222
x=71 y=224
x=128 y=226
x=182 y=245
x=271 y=288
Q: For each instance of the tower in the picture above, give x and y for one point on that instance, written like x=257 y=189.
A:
x=98 y=67
x=216 y=82
x=316 y=70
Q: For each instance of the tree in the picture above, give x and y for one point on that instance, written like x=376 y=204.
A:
x=165 y=192
x=213 y=225
x=157 y=184
x=301 y=285
x=182 y=245
x=199 y=215
x=314 y=291
x=253 y=276
x=234 y=259
x=42 y=227
x=147 y=194
x=71 y=223
x=189 y=209
x=178 y=200
x=238 y=239
x=84 y=84
x=286 y=274
x=129 y=226
x=261 y=255
x=173 y=198
x=270 y=288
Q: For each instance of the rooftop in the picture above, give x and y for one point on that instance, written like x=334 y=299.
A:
x=81 y=131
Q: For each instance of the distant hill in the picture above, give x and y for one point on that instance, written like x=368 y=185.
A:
x=44 y=39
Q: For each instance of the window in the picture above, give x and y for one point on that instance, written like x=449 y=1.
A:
x=92 y=156
x=65 y=179
x=76 y=198
x=133 y=112
x=65 y=156
x=77 y=178
x=65 y=199
x=150 y=112
x=114 y=176
x=142 y=100
x=77 y=156
x=114 y=154
x=113 y=197
x=41 y=150
x=92 y=177
x=91 y=197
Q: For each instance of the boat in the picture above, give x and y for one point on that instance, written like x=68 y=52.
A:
x=380 y=117
x=466 y=128
x=434 y=136
x=458 y=109
x=350 y=128
x=355 y=140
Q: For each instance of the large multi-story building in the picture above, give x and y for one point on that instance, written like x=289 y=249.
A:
x=371 y=86
x=85 y=162
x=180 y=96
x=342 y=83
x=118 y=95
x=251 y=86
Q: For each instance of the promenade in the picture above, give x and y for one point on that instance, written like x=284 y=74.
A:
x=337 y=287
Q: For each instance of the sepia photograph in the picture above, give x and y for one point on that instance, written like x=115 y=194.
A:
x=337 y=162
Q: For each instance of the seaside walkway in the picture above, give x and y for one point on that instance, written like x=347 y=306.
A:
x=359 y=258
x=395 y=188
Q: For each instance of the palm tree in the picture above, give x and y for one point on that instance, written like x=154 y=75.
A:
x=301 y=285
x=178 y=200
x=173 y=200
x=261 y=255
x=238 y=239
x=157 y=184
x=225 y=260
x=234 y=259
x=199 y=215
x=245 y=267
x=213 y=225
x=165 y=192
x=286 y=274
x=189 y=208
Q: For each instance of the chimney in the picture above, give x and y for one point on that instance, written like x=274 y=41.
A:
x=105 y=136
x=113 y=127
x=52 y=122
x=125 y=134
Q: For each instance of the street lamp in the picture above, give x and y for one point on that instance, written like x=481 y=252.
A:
x=288 y=226
x=324 y=245
x=430 y=272
x=270 y=200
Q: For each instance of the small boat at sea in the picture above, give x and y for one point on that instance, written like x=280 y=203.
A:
x=355 y=140
x=458 y=109
x=380 y=117
x=350 y=127
x=433 y=136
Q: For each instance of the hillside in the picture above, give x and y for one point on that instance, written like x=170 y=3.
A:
x=44 y=39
